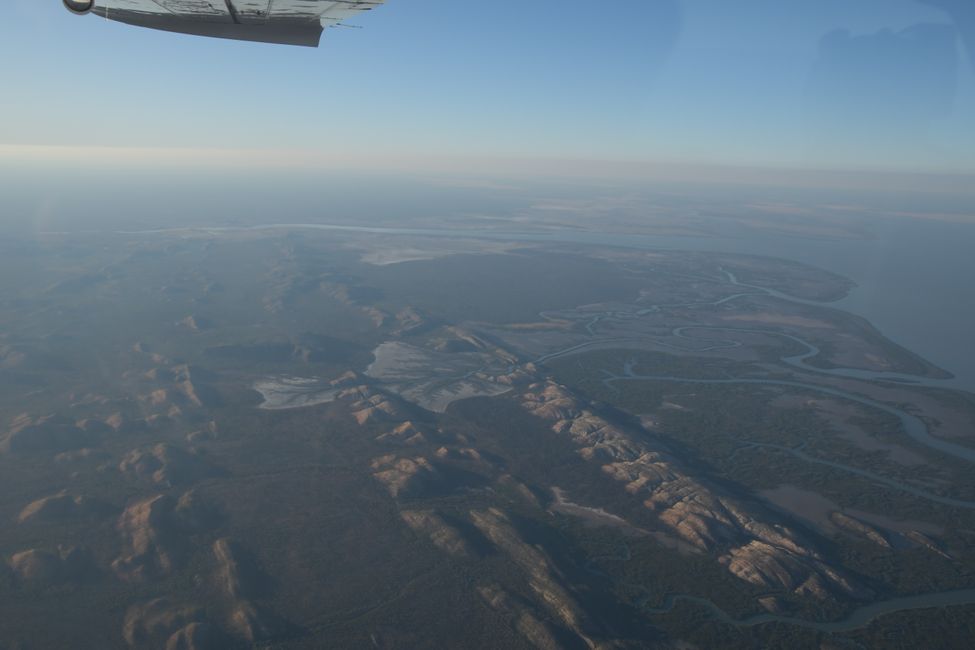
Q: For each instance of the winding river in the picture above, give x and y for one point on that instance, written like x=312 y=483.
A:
x=912 y=425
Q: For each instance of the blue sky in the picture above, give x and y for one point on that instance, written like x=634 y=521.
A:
x=786 y=83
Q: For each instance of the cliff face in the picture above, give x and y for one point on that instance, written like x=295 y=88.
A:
x=47 y=569
x=543 y=578
x=160 y=623
x=745 y=538
x=404 y=476
x=48 y=434
x=442 y=534
x=150 y=545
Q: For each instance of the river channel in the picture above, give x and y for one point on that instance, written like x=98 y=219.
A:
x=912 y=425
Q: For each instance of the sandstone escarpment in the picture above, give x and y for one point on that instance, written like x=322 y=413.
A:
x=542 y=577
x=859 y=529
x=161 y=623
x=149 y=533
x=254 y=625
x=377 y=407
x=166 y=465
x=404 y=476
x=237 y=572
x=406 y=433
x=51 y=434
x=522 y=617
x=442 y=534
x=60 y=507
x=242 y=581
x=195 y=636
x=747 y=540
x=44 y=568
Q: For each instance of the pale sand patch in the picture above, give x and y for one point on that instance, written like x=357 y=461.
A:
x=811 y=507
x=397 y=361
x=438 y=399
x=416 y=251
x=429 y=378
x=770 y=318
x=815 y=509
x=281 y=393
x=397 y=256
x=593 y=516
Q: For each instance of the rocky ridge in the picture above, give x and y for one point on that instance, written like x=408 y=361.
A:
x=698 y=514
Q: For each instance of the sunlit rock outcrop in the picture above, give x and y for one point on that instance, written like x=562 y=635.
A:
x=59 y=507
x=254 y=625
x=542 y=577
x=703 y=517
x=45 y=569
x=406 y=433
x=858 y=528
x=442 y=534
x=51 y=434
x=377 y=407
x=926 y=542
x=237 y=574
x=404 y=476
x=151 y=545
x=161 y=623
x=526 y=621
x=164 y=464
x=195 y=636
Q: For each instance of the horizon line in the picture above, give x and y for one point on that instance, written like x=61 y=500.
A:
x=662 y=170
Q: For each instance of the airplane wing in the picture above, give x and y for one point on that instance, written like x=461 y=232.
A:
x=290 y=22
